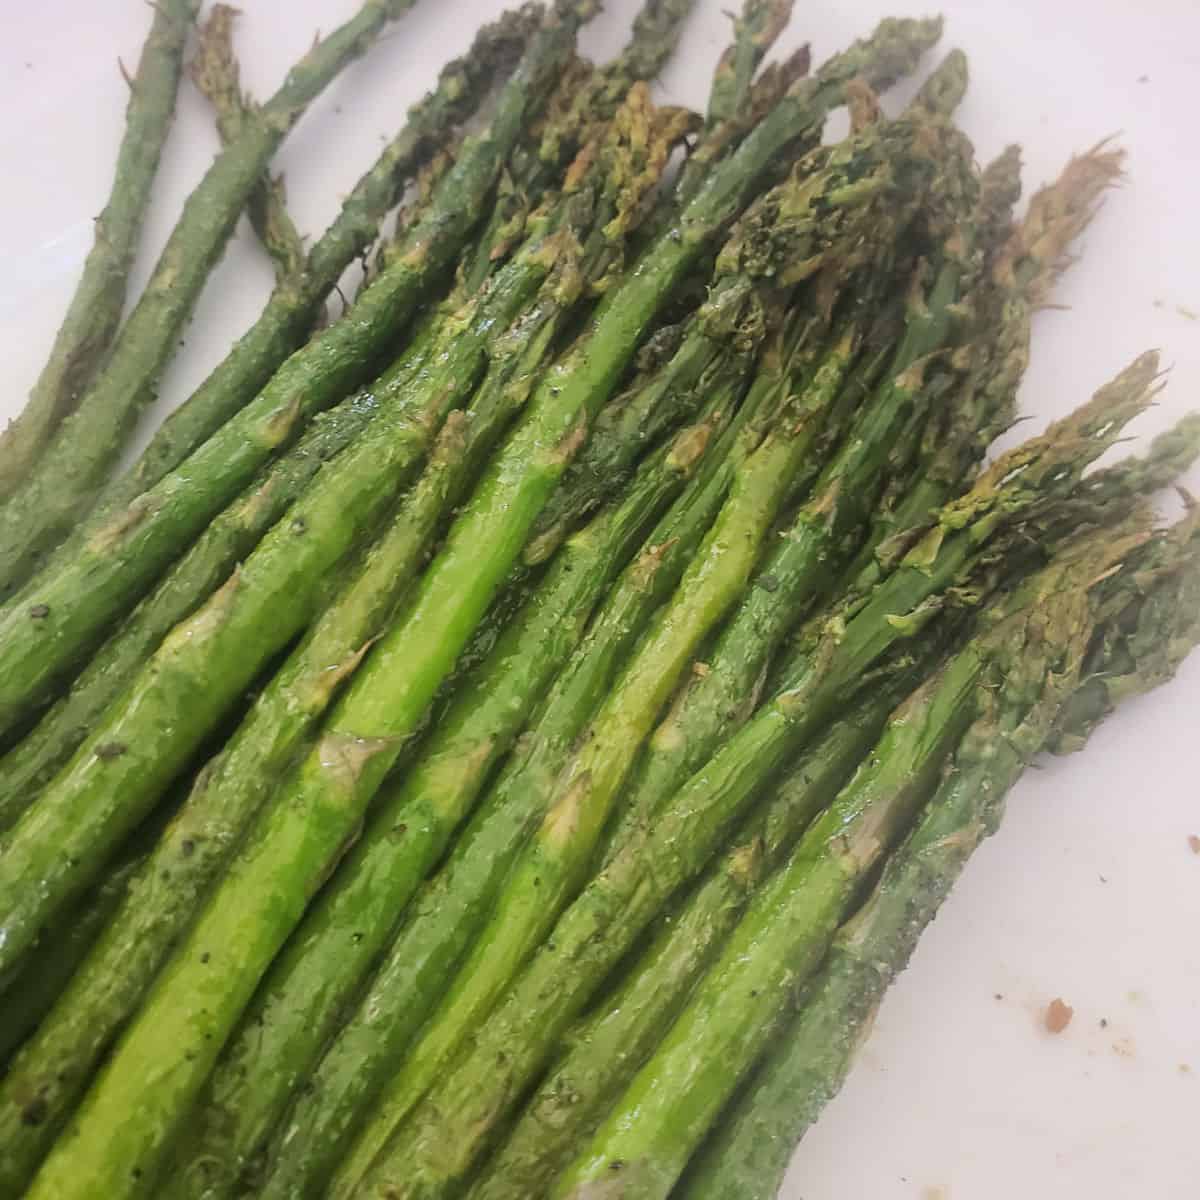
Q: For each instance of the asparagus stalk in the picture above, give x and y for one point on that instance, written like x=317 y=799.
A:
x=48 y=970
x=409 y=981
x=749 y=1153
x=677 y=1095
x=94 y=313
x=75 y=465
x=202 y=667
x=754 y=33
x=603 y=1050
x=585 y=97
x=214 y=70
x=1153 y=626
x=438 y=1144
x=123 y=553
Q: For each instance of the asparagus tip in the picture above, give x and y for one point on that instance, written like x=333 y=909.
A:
x=1058 y=214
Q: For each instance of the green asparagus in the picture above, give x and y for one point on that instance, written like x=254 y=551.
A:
x=206 y=662
x=290 y=706
x=94 y=313
x=1020 y=279
x=435 y=934
x=215 y=72
x=379 y=709
x=34 y=761
x=802 y=565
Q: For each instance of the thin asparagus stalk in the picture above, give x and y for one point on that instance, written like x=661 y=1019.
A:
x=1147 y=637
x=204 y=665
x=214 y=70
x=754 y=33
x=48 y=970
x=604 y=1049
x=585 y=97
x=678 y=1094
x=125 y=552
x=437 y=1146
x=409 y=982
x=94 y=313
x=75 y=466
x=749 y=1152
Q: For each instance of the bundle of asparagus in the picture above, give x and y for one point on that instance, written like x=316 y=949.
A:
x=476 y=728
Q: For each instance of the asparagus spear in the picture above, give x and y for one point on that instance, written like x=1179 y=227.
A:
x=202 y=667
x=126 y=551
x=754 y=33
x=75 y=466
x=1152 y=627
x=95 y=309
x=602 y=1051
x=48 y=970
x=440 y=1141
x=214 y=70
x=677 y=1095
x=584 y=96
x=749 y=1152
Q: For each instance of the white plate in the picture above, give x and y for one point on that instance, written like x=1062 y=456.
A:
x=1090 y=892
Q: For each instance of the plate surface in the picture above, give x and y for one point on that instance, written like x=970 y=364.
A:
x=1090 y=891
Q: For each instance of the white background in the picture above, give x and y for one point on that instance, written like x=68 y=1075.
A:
x=1090 y=892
